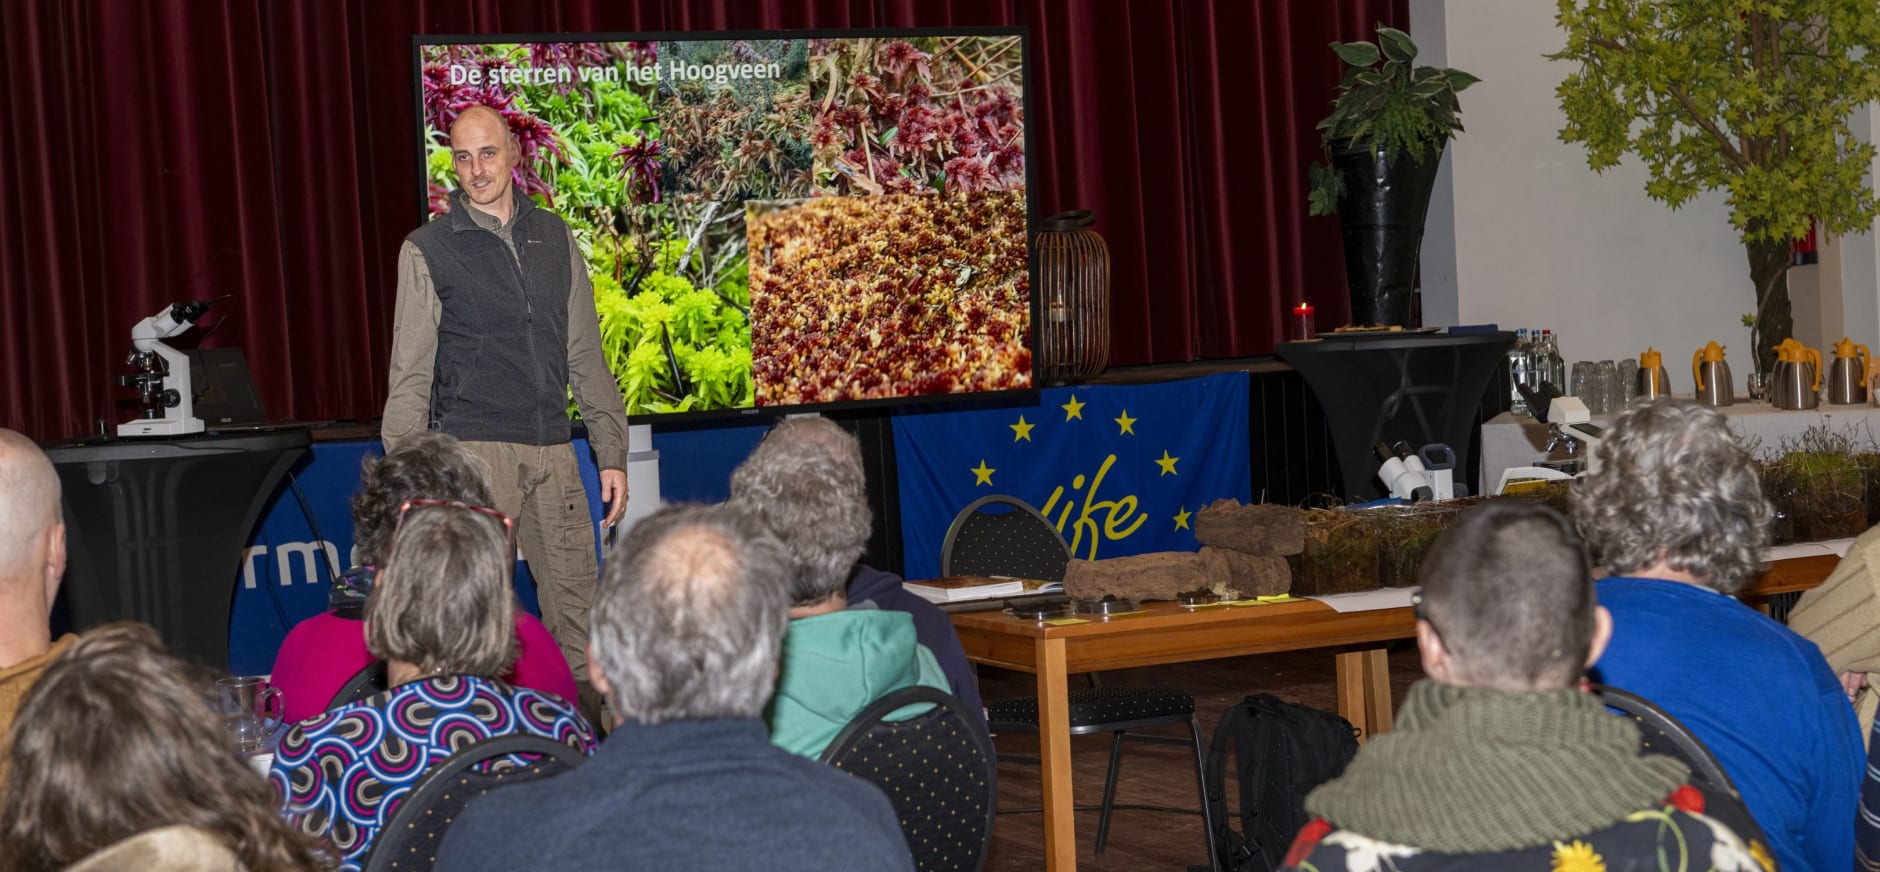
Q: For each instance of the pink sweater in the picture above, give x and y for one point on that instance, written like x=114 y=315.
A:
x=322 y=652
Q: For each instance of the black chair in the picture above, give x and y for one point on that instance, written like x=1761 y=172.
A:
x=1003 y=535
x=410 y=838
x=1022 y=543
x=936 y=768
x=369 y=680
x=1660 y=733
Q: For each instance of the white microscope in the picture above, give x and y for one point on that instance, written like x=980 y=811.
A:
x=162 y=379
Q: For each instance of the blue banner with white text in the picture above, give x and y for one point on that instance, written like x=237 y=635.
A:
x=1119 y=469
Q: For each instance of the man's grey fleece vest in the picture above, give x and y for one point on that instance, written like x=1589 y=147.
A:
x=502 y=341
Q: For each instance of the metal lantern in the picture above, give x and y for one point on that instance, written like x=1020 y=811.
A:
x=1074 y=280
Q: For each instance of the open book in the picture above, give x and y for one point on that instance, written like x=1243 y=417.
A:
x=960 y=588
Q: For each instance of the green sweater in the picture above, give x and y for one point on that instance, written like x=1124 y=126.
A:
x=1469 y=770
x=834 y=665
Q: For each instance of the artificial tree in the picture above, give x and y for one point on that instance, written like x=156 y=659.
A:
x=1748 y=96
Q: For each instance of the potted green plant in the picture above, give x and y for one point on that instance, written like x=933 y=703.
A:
x=1384 y=139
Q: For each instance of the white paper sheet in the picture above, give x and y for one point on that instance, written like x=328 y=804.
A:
x=1370 y=600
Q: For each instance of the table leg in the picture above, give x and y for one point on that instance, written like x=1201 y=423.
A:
x=1054 y=751
x=1377 y=706
x=1351 y=695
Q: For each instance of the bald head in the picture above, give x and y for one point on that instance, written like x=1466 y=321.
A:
x=483 y=153
x=488 y=120
x=29 y=503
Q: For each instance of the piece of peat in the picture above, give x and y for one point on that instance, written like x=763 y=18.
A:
x=1261 y=528
x=1155 y=576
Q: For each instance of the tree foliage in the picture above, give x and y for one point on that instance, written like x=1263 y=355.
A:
x=1750 y=97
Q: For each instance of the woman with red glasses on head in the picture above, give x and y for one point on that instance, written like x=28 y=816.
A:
x=442 y=617
x=324 y=652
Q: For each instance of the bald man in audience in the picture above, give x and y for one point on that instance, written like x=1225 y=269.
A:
x=32 y=560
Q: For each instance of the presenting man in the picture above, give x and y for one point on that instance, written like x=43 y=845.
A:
x=495 y=323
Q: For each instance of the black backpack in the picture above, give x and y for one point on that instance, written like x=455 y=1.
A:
x=1283 y=750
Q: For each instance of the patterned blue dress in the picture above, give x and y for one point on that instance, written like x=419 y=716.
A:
x=340 y=775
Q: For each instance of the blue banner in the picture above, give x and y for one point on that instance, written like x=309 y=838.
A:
x=1119 y=469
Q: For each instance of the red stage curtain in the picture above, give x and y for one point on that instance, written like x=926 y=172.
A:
x=158 y=150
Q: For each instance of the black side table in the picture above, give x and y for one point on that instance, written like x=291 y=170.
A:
x=1418 y=388
x=155 y=529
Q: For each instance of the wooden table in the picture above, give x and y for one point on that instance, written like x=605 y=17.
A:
x=1168 y=633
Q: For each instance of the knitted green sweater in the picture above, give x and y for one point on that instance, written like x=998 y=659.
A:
x=1469 y=770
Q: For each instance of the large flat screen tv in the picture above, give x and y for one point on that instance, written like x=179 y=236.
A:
x=784 y=220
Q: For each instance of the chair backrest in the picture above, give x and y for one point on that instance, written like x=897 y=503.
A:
x=409 y=840
x=1003 y=535
x=937 y=768
x=369 y=680
x=1660 y=733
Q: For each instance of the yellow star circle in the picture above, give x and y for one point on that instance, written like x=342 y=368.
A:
x=1073 y=409
x=1021 y=430
x=1126 y=423
x=1181 y=519
x=1167 y=463
x=982 y=474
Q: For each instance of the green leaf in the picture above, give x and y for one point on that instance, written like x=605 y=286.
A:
x=1397 y=44
x=1459 y=79
x=1357 y=54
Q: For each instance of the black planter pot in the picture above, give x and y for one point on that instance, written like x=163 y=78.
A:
x=1382 y=212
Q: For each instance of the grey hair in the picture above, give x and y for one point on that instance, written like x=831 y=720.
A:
x=1671 y=484
x=29 y=498
x=1508 y=589
x=443 y=600
x=689 y=618
x=427 y=466
x=805 y=482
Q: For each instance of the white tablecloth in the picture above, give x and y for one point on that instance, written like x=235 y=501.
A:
x=1508 y=441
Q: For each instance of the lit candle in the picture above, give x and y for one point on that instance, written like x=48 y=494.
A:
x=1302 y=323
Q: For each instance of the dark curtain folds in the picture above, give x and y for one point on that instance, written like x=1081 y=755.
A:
x=159 y=150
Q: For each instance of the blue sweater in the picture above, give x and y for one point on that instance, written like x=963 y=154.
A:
x=1760 y=696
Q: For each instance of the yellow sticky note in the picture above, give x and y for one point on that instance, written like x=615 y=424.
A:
x=1065 y=622
x=1282 y=598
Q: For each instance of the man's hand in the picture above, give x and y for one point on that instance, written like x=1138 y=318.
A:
x=614 y=494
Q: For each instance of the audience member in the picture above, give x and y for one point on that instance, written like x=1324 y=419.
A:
x=684 y=635
x=1499 y=760
x=321 y=653
x=32 y=560
x=1675 y=513
x=805 y=482
x=442 y=616
x=118 y=764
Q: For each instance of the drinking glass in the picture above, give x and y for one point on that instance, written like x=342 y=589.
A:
x=1758 y=385
x=245 y=702
x=1580 y=383
x=1628 y=380
x=1611 y=400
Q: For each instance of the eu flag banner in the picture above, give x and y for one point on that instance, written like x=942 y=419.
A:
x=1119 y=469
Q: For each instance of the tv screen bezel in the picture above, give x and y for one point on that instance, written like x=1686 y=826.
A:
x=1012 y=395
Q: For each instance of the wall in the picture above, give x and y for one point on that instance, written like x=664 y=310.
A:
x=1525 y=235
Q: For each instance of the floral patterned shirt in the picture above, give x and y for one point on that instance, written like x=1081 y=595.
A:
x=341 y=774
x=1677 y=837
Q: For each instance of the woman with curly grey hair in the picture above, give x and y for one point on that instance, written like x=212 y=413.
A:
x=1675 y=513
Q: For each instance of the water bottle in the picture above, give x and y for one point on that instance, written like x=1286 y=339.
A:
x=1519 y=365
x=1556 y=365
